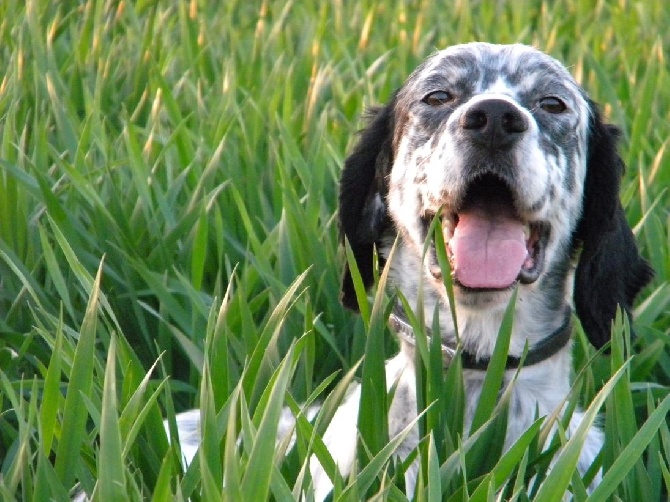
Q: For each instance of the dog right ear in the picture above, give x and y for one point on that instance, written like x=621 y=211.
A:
x=363 y=188
x=611 y=271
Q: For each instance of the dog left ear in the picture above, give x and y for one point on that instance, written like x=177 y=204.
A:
x=363 y=189
x=610 y=271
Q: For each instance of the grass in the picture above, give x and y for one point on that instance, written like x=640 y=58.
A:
x=168 y=180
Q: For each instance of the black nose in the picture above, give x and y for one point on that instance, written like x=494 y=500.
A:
x=494 y=123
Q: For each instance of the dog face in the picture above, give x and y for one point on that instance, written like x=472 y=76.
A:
x=493 y=138
x=505 y=147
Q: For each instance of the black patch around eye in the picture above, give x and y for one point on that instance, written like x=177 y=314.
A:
x=438 y=98
x=552 y=104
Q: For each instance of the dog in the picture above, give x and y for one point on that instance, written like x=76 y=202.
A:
x=502 y=147
x=512 y=156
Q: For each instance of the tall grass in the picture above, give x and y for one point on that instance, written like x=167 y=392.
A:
x=168 y=180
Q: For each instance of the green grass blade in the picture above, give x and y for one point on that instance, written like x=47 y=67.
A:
x=210 y=451
x=232 y=476
x=373 y=409
x=80 y=385
x=256 y=481
x=377 y=463
x=632 y=452
x=496 y=367
x=111 y=472
x=49 y=407
x=433 y=485
x=162 y=490
x=556 y=483
x=359 y=288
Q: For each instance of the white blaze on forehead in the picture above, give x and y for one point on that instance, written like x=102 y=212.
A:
x=501 y=86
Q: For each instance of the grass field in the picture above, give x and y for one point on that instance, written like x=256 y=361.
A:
x=168 y=182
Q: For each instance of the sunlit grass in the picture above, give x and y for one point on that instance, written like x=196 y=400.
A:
x=168 y=185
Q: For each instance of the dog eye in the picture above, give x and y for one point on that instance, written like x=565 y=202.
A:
x=552 y=104
x=437 y=98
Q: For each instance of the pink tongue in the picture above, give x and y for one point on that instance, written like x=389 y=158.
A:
x=488 y=248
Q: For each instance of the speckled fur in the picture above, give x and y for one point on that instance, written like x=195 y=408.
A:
x=418 y=159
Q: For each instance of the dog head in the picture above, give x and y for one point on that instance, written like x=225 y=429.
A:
x=510 y=153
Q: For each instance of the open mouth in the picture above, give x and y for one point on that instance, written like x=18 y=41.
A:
x=491 y=247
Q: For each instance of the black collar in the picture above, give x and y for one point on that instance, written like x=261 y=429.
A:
x=543 y=350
